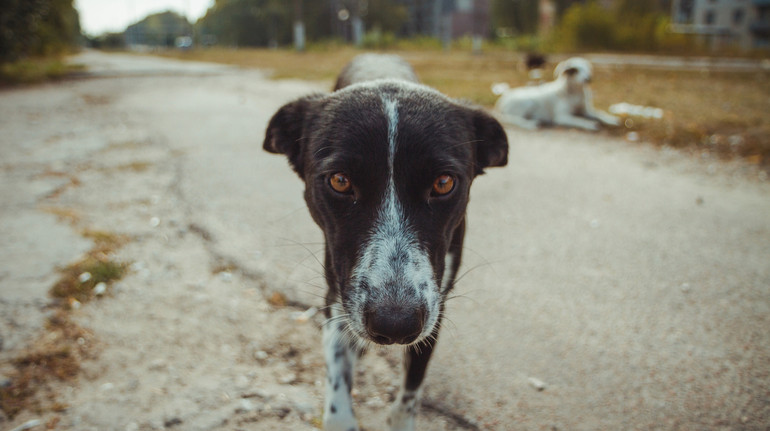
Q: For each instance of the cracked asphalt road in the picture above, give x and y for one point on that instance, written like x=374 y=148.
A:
x=630 y=285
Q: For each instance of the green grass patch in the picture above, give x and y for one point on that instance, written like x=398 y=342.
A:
x=35 y=70
x=79 y=280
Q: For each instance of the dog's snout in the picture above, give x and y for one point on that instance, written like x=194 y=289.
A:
x=393 y=323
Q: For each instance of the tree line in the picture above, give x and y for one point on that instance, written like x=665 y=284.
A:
x=43 y=27
x=37 y=28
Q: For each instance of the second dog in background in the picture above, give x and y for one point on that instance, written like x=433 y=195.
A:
x=566 y=101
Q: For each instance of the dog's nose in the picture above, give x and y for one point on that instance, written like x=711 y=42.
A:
x=393 y=324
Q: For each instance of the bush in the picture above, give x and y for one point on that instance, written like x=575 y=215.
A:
x=377 y=39
x=37 y=28
x=585 y=27
x=593 y=27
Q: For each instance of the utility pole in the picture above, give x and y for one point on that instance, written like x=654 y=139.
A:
x=299 y=27
x=357 y=23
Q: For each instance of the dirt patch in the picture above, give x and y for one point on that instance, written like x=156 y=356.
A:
x=58 y=352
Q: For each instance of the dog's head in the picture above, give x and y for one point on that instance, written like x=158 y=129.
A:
x=576 y=69
x=388 y=167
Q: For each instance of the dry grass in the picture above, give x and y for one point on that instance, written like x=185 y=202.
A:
x=719 y=112
x=57 y=354
x=35 y=70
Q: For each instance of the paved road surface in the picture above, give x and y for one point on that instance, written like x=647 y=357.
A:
x=634 y=284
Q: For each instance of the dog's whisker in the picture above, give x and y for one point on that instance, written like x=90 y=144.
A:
x=286 y=215
x=312 y=253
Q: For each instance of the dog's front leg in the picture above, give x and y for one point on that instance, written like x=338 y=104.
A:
x=404 y=408
x=597 y=114
x=569 y=120
x=602 y=116
x=340 y=359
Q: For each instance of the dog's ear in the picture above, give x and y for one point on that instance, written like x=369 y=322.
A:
x=563 y=69
x=491 y=142
x=286 y=130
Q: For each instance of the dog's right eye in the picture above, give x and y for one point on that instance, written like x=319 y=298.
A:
x=340 y=183
x=443 y=185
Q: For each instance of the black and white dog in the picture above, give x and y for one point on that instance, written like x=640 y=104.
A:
x=387 y=164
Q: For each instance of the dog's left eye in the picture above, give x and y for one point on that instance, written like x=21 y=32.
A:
x=340 y=183
x=443 y=185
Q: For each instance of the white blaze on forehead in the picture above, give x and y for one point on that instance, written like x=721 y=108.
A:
x=392 y=264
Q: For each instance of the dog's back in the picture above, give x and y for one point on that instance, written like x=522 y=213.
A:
x=369 y=67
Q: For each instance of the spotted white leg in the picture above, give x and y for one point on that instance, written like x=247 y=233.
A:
x=340 y=360
x=404 y=410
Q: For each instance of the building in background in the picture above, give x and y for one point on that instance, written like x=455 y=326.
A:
x=724 y=23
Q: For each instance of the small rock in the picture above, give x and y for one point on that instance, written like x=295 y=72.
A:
x=84 y=277
x=536 y=383
x=138 y=266
x=632 y=136
x=28 y=425
x=304 y=316
x=277 y=299
x=288 y=379
x=100 y=288
x=258 y=393
x=260 y=355
x=375 y=402
x=172 y=422
x=242 y=382
x=154 y=222
x=157 y=365
x=245 y=406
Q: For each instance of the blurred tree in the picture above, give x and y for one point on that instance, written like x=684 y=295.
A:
x=639 y=22
x=385 y=16
x=160 y=29
x=563 y=5
x=37 y=27
x=585 y=27
x=249 y=22
x=628 y=25
x=108 y=41
x=521 y=16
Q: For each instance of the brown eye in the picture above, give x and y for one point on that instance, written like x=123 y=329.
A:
x=340 y=183
x=443 y=185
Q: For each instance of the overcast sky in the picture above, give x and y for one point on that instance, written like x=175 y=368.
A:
x=100 y=16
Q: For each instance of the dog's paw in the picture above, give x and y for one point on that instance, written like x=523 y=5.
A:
x=611 y=120
x=401 y=418
x=340 y=423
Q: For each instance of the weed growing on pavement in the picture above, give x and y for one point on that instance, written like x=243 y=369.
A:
x=57 y=354
x=82 y=281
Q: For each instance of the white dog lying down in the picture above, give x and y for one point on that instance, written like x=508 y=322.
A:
x=566 y=101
